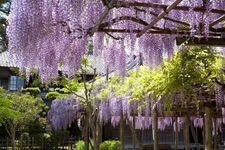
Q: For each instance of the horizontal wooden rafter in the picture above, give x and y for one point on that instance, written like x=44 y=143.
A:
x=164 y=31
x=163 y=6
x=220 y=19
x=219 y=42
x=159 y=17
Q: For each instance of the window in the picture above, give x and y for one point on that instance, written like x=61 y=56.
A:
x=16 y=83
x=4 y=83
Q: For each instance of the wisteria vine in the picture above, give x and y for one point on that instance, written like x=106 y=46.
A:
x=49 y=34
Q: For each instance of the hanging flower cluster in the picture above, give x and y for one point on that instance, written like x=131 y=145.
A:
x=64 y=111
x=48 y=34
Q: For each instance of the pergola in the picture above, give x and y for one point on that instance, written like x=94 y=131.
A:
x=200 y=24
x=216 y=34
x=207 y=107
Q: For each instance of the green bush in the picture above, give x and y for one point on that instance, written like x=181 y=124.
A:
x=52 y=95
x=110 y=145
x=32 y=91
x=62 y=90
x=79 y=145
x=106 y=145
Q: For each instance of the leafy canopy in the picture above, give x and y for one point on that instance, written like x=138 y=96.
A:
x=189 y=69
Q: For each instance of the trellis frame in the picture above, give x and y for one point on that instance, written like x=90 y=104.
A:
x=216 y=34
x=216 y=38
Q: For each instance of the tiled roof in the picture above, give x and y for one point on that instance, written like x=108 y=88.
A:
x=5 y=60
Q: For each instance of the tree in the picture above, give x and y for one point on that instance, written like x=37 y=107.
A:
x=6 y=110
x=178 y=84
x=4 y=12
x=28 y=108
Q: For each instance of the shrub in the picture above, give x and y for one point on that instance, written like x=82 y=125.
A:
x=52 y=95
x=32 y=91
x=110 y=145
x=79 y=145
x=106 y=145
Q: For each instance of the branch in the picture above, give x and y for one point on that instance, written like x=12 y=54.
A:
x=103 y=16
x=92 y=85
x=218 y=82
x=78 y=95
x=116 y=38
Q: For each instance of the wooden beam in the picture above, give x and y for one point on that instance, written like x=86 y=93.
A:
x=208 y=128
x=103 y=16
x=155 y=129
x=160 y=16
x=218 y=42
x=163 y=6
x=136 y=20
x=164 y=31
x=171 y=19
x=220 y=19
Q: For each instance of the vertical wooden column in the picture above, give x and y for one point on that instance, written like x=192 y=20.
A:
x=186 y=133
x=122 y=132
x=216 y=146
x=208 y=128
x=133 y=134
x=176 y=134
x=155 y=129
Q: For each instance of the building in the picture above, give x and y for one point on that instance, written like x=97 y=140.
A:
x=9 y=79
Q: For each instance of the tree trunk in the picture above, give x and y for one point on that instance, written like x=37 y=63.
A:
x=122 y=132
x=208 y=128
x=100 y=132
x=96 y=135
x=155 y=129
x=176 y=134
x=186 y=133
x=86 y=134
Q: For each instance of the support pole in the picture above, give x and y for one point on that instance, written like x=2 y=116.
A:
x=133 y=134
x=122 y=132
x=208 y=128
x=176 y=134
x=186 y=133
x=155 y=129
x=216 y=146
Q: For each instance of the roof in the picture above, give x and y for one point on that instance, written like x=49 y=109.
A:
x=5 y=60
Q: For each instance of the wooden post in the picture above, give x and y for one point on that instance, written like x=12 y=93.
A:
x=208 y=128
x=176 y=134
x=186 y=133
x=216 y=146
x=133 y=134
x=195 y=136
x=122 y=132
x=155 y=129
